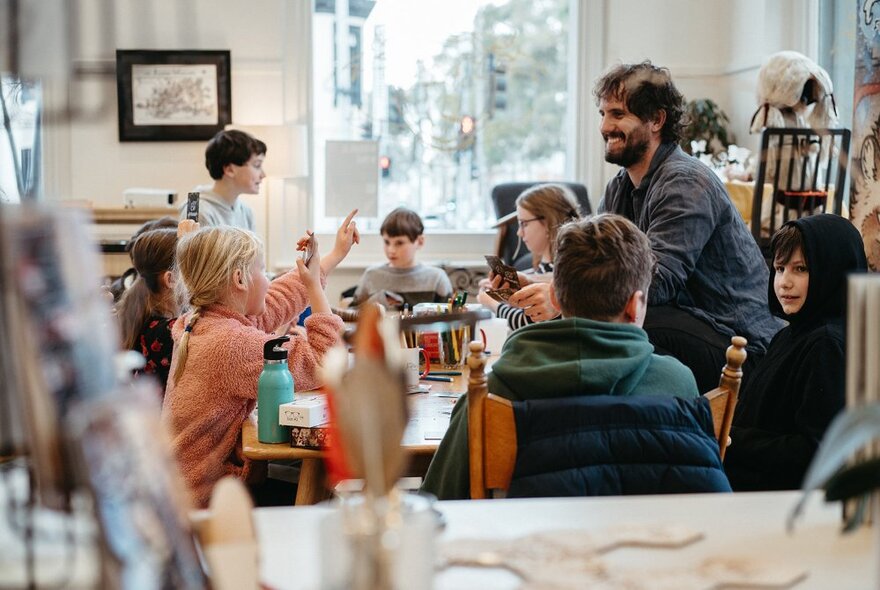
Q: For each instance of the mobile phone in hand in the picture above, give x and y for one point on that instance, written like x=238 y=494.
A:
x=507 y=272
x=192 y=207
x=309 y=251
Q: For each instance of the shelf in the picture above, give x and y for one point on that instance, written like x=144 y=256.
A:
x=138 y=216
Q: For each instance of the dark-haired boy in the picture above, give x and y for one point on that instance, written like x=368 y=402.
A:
x=234 y=160
x=602 y=273
x=402 y=279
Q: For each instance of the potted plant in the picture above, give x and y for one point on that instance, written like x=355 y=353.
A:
x=707 y=122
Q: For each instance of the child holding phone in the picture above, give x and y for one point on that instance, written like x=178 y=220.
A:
x=234 y=160
x=540 y=210
x=218 y=353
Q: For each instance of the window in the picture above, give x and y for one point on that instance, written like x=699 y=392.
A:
x=837 y=52
x=459 y=96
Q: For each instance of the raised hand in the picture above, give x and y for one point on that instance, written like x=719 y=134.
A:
x=308 y=244
x=346 y=236
x=186 y=226
x=311 y=275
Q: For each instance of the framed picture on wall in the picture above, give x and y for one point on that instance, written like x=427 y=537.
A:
x=177 y=95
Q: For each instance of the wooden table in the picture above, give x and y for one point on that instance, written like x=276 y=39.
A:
x=429 y=419
x=737 y=526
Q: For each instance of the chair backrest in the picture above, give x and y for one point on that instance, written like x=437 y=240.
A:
x=492 y=430
x=806 y=168
x=508 y=246
x=722 y=400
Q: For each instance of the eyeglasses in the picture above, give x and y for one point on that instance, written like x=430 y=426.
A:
x=524 y=223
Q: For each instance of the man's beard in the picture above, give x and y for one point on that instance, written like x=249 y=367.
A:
x=632 y=152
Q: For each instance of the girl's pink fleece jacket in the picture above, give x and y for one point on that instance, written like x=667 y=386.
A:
x=205 y=409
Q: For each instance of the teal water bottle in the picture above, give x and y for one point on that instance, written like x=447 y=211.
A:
x=274 y=388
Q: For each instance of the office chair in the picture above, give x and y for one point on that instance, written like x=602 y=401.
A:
x=508 y=439
x=508 y=246
x=806 y=168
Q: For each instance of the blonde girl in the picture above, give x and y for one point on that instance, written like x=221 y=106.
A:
x=540 y=211
x=218 y=351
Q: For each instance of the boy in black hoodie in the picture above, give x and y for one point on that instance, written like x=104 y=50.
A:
x=799 y=387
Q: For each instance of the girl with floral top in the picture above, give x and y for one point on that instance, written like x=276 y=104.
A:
x=149 y=306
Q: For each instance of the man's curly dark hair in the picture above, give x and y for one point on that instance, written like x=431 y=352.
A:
x=645 y=89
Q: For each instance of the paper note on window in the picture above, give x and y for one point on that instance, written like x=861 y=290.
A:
x=352 y=178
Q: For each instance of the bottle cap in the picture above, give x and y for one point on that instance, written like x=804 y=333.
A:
x=272 y=350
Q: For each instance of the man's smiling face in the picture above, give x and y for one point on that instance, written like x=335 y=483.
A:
x=627 y=137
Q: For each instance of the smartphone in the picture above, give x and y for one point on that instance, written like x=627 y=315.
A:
x=507 y=272
x=192 y=207
x=309 y=251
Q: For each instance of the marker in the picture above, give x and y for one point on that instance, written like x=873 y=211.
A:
x=443 y=379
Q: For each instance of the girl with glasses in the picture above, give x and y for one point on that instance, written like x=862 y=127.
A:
x=540 y=211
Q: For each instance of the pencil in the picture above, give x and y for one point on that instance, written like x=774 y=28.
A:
x=446 y=372
x=443 y=379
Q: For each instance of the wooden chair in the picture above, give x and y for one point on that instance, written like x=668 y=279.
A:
x=722 y=399
x=803 y=166
x=492 y=440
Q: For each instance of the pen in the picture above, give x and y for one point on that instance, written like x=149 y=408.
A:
x=430 y=378
x=445 y=372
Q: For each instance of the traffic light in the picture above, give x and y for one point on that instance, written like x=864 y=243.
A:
x=385 y=165
x=467 y=132
x=497 y=86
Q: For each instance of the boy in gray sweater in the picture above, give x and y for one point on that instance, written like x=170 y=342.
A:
x=401 y=279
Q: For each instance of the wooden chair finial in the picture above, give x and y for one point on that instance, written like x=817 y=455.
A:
x=731 y=379
x=736 y=355
x=478 y=389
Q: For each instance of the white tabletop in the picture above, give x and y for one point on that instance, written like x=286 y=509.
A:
x=739 y=525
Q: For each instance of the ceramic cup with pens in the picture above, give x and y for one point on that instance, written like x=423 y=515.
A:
x=412 y=370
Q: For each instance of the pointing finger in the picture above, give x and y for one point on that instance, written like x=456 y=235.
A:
x=349 y=218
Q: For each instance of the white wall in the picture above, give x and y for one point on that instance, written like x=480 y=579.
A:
x=713 y=48
x=102 y=167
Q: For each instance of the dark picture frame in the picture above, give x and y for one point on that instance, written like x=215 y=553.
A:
x=173 y=95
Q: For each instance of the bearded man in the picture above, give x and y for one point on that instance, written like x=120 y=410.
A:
x=711 y=279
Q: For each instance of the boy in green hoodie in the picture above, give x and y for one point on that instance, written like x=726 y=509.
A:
x=601 y=275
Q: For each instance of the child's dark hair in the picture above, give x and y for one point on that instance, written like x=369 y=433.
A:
x=402 y=222
x=600 y=262
x=785 y=242
x=152 y=254
x=120 y=284
x=231 y=147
